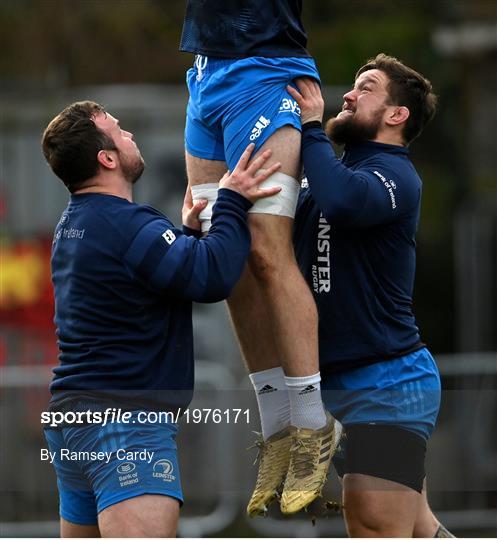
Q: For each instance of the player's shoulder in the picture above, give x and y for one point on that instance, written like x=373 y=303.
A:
x=139 y=216
x=397 y=167
x=127 y=218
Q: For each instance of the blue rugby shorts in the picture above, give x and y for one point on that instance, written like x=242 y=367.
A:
x=86 y=487
x=234 y=102
x=403 y=392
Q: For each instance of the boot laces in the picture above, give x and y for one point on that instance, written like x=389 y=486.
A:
x=303 y=457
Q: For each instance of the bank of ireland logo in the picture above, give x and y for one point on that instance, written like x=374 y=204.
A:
x=127 y=475
x=164 y=469
x=125 y=468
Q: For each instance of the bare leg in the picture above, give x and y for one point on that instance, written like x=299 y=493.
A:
x=258 y=340
x=291 y=311
x=426 y=524
x=203 y=171
x=374 y=507
x=71 y=530
x=291 y=322
x=272 y=308
x=275 y=319
x=147 y=516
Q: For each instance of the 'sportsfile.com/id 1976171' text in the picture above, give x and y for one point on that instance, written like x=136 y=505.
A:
x=117 y=415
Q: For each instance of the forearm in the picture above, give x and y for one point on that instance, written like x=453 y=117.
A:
x=338 y=191
x=222 y=254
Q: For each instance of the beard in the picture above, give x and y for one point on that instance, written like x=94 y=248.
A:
x=132 y=168
x=349 y=130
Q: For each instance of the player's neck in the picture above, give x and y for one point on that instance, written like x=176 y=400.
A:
x=115 y=186
x=389 y=137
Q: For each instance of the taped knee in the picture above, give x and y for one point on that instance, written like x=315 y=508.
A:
x=283 y=203
x=209 y=192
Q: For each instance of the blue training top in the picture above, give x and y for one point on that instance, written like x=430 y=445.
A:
x=124 y=280
x=355 y=244
x=243 y=28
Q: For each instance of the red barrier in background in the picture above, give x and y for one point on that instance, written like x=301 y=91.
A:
x=26 y=303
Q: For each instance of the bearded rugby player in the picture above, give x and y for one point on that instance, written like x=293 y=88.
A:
x=355 y=242
x=124 y=280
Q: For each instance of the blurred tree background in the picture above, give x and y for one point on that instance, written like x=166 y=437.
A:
x=49 y=44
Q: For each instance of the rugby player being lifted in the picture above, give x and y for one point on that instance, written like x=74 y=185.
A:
x=247 y=52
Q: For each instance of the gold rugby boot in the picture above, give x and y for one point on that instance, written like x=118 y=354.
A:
x=310 y=458
x=274 y=456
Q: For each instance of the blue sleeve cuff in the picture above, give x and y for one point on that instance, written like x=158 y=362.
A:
x=191 y=232
x=311 y=125
x=240 y=200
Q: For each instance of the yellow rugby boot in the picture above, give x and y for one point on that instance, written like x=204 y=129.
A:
x=274 y=456
x=310 y=458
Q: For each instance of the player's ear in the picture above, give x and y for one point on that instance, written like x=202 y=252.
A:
x=397 y=115
x=107 y=159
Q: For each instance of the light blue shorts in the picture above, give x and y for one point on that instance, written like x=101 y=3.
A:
x=121 y=471
x=403 y=392
x=238 y=101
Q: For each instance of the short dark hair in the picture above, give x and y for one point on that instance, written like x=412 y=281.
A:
x=406 y=88
x=71 y=143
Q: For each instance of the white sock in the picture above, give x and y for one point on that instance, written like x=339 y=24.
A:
x=306 y=406
x=272 y=398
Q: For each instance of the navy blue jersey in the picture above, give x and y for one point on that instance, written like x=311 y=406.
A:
x=355 y=244
x=124 y=279
x=242 y=28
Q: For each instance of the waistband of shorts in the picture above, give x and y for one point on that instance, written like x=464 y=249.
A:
x=348 y=365
x=213 y=63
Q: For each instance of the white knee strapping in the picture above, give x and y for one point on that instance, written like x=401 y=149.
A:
x=283 y=203
x=209 y=192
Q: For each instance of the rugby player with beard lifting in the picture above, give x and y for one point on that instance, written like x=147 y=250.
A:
x=358 y=218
